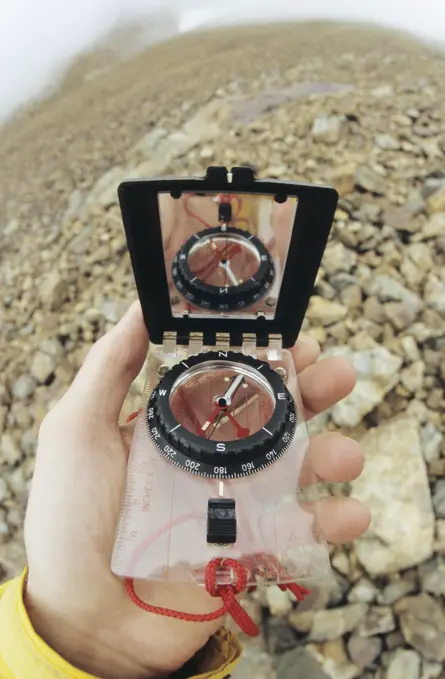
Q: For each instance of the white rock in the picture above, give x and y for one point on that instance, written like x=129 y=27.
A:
x=23 y=387
x=387 y=141
x=378 y=371
x=332 y=667
x=363 y=591
x=404 y=665
x=328 y=129
x=394 y=485
x=279 y=602
x=333 y=623
x=42 y=367
x=431 y=669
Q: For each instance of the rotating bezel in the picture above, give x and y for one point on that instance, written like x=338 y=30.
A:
x=220 y=459
x=219 y=298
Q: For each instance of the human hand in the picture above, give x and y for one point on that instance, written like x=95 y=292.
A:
x=74 y=601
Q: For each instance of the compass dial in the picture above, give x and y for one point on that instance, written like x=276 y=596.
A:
x=221 y=414
x=223 y=268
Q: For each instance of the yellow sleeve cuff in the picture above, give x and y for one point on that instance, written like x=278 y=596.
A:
x=24 y=654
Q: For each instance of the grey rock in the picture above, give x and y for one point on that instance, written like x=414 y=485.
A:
x=42 y=367
x=439 y=499
x=378 y=371
x=415 y=202
x=338 y=590
x=9 y=450
x=394 y=640
x=334 y=660
x=342 y=280
x=432 y=440
x=396 y=490
x=299 y=664
x=431 y=670
x=395 y=591
x=432 y=576
x=422 y=622
x=364 y=652
x=279 y=635
x=399 y=314
x=378 y=620
x=335 y=622
x=338 y=258
x=368 y=212
x=398 y=217
x=254 y=663
x=23 y=387
x=404 y=665
x=388 y=289
x=366 y=178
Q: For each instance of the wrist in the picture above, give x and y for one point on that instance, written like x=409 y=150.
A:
x=85 y=642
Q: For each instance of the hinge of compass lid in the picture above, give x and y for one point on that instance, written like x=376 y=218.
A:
x=273 y=346
x=223 y=341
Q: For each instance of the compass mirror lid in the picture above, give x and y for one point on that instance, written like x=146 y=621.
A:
x=227 y=253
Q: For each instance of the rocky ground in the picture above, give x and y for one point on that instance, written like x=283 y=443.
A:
x=357 y=107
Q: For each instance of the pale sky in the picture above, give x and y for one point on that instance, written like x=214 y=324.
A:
x=38 y=38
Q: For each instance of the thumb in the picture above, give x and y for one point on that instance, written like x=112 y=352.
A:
x=102 y=383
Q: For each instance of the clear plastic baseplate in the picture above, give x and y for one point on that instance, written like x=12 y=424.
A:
x=162 y=529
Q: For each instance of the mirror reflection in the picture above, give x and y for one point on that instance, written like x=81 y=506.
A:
x=225 y=253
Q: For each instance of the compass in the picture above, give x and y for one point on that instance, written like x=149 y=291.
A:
x=223 y=268
x=221 y=415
